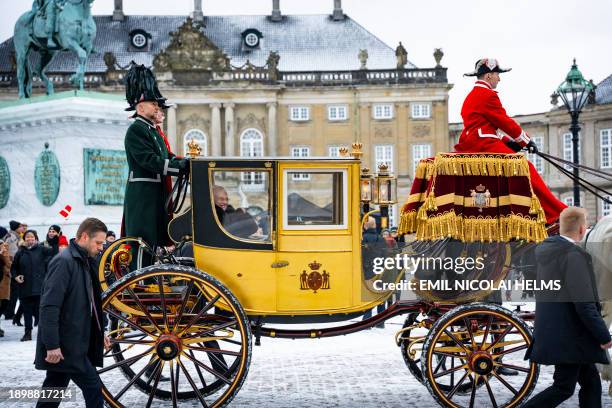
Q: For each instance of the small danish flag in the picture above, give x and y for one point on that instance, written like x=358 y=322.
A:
x=65 y=212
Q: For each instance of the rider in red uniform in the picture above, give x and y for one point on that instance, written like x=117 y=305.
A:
x=484 y=116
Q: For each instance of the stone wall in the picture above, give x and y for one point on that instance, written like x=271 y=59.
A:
x=68 y=124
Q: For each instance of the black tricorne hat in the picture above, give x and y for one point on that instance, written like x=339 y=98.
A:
x=141 y=86
x=486 y=65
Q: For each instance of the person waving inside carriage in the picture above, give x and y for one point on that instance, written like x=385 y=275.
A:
x=150 y=163
x=483 y=118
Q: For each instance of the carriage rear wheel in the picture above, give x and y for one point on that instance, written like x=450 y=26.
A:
x=476 y=341
x=176 y=333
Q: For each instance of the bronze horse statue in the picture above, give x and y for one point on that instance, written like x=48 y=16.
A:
x=72 y=30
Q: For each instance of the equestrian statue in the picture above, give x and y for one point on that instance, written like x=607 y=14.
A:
x=52 y=26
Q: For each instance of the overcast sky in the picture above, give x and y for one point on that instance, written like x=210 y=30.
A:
x=537 y=38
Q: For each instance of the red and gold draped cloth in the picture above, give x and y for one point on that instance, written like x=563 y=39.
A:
x=473 y=197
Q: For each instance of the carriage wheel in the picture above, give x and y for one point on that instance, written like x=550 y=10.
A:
x=412 y=347
x=176 y=334
x=477 y=340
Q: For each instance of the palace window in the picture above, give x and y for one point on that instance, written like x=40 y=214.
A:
x=300 y=151
x=251 y=145
x=568 y=149
x=421 y=110
x=419 y=152
x=537 y=161
x=382 y=111
x=337 y=112
x=383 y=154
x=200 y=139
x=569 y=201
x=299 y=113
x=605 y=143
x=606 y=208
x=333 y=151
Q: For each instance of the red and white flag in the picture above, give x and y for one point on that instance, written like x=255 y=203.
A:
x=65 y=212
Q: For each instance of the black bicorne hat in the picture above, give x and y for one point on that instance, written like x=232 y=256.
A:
x=141 y=86
x=486 y=65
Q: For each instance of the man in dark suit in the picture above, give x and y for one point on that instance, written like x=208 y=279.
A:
x=71 y=329
x=569 y=330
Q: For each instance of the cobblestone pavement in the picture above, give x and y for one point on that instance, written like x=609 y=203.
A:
x=364 y=369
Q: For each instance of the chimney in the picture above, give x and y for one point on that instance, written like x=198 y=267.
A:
x=276 y=14
x=118 y=12
x=338 y=14
x=197 y=14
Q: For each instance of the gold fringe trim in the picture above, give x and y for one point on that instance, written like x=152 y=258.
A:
x=424 y=169
x=507 y=165
x=472 y=229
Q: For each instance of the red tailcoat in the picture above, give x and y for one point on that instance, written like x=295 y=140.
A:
x=483 y=118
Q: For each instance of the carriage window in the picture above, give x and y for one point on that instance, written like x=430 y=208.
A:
x=318 y=203
x=242 y=212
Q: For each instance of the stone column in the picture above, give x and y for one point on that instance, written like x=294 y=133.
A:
x=229 y=129
x=216 y=129
x=171 y=130
x=272 y=129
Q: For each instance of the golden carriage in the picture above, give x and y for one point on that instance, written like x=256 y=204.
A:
x=192 y=314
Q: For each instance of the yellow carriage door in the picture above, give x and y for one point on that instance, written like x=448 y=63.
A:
x=315 y=246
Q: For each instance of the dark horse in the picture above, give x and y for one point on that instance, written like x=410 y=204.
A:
x=76 y=31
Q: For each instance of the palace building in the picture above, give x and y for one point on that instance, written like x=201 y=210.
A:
x=269 y=85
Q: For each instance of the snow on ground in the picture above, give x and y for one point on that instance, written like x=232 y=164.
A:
x=364 y=369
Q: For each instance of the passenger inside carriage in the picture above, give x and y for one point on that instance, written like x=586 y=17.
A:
x=237 y=222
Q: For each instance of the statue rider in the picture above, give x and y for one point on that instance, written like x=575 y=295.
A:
x=49 y=8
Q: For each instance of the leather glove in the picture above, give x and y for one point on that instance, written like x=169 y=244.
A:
x=531 y=147
x=185 y=167
x=513 y=145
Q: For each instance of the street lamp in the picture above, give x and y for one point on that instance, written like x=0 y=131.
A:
x=574 y=92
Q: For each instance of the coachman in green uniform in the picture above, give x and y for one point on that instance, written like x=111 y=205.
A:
x=151 y=165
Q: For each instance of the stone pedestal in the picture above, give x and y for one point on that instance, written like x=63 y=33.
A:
x=70 y=124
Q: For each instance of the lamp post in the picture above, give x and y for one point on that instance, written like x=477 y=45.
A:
x=574 y=92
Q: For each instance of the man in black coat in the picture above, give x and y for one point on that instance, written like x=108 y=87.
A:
x=569 y=330
x=71 y=330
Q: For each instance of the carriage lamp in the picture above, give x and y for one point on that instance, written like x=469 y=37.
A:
x=365 y=189
x=575 y=92
x=385 y=192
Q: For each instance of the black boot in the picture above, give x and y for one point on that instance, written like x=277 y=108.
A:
x=16 y=321
x=1 y=333
x=27 y=336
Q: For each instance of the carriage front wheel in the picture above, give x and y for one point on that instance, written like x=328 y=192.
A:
x=177 y=334
x=469 y=345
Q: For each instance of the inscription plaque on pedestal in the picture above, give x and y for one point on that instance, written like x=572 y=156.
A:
x=47 y=177
x=5 y=182
x=105 y=176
